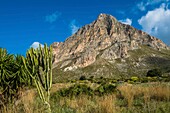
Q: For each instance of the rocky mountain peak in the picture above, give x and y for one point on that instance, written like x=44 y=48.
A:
x=106 y=17
x=106 y=21
x=105 y=38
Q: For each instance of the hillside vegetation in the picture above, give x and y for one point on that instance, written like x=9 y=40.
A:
x=93 y=98
x=121 y=87
x=139 y=62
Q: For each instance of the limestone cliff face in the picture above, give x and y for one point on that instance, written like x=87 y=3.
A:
x=106 y=38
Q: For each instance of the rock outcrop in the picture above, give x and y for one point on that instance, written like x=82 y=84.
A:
x=106 y=38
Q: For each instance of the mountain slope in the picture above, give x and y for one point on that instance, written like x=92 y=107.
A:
x=109 y=47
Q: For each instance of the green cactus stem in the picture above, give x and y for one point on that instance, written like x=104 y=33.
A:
x=38 y=64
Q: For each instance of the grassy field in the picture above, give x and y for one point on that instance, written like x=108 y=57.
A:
x=151 y=97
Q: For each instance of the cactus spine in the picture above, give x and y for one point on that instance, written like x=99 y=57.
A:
x=38 y=64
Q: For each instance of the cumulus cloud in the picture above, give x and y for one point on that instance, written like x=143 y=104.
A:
x=144 y=3
x=152 y=2
x=157 y=22
x=126 y=21
x=36 y=45
x=52 y=17
x=141 y=6
x=73 y=26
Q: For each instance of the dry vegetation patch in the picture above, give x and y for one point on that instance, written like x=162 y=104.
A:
x=136 y=98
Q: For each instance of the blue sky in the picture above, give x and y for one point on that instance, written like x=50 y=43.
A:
x=26 y=23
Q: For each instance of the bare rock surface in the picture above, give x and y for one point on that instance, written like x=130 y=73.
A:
x=105 y=38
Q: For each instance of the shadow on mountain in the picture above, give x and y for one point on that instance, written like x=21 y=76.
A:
x=158 y=62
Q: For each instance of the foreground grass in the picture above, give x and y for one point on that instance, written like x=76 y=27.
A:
x=129 y=98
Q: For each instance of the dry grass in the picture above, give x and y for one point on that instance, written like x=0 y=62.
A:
x=155 y=91
x=128 y=93
x=28 y=101
x=158 y=92
x=58 y=86
x=80 y=104
x=86 y=104
x=106 y=104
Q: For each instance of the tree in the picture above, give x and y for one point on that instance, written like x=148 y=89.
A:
x=12 y=75
x=154 y=73
x=6 y=63
x=22 y=78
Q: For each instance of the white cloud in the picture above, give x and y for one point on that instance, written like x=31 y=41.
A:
x=157 y=22
x=73 y=26
x=141 y=6
x=126 y=21
x=144 y=3
x=152 y=2
x=36 y=45
x=52 y=17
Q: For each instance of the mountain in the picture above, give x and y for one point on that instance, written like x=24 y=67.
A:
x=109 y=48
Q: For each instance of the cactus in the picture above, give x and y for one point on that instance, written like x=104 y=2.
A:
x=38 y=64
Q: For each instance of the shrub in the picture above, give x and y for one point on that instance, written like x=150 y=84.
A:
x=144 y=80
x=91 y=77
x=130 y=82
x=73 y=81
x=79 y=89
x=82 y=78
x=114 y=81
x=168 y=78
x=134 y=79
x=76 y=90
x=105 y=89
x=101 y=77
x=154 y=73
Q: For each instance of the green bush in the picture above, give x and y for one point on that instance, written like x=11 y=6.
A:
x=134 y=79
x=79 y=89
x=76 y=90
x=82 y=78
x=114 y=81
x=154 y=73
x=105 y=89
x=91 y=77
x=130 y=82
x=101 y=77
x=73 y=81
x=144 y=80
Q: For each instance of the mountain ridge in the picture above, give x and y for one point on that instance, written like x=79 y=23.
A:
x=110 y=49
x=104 y=34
